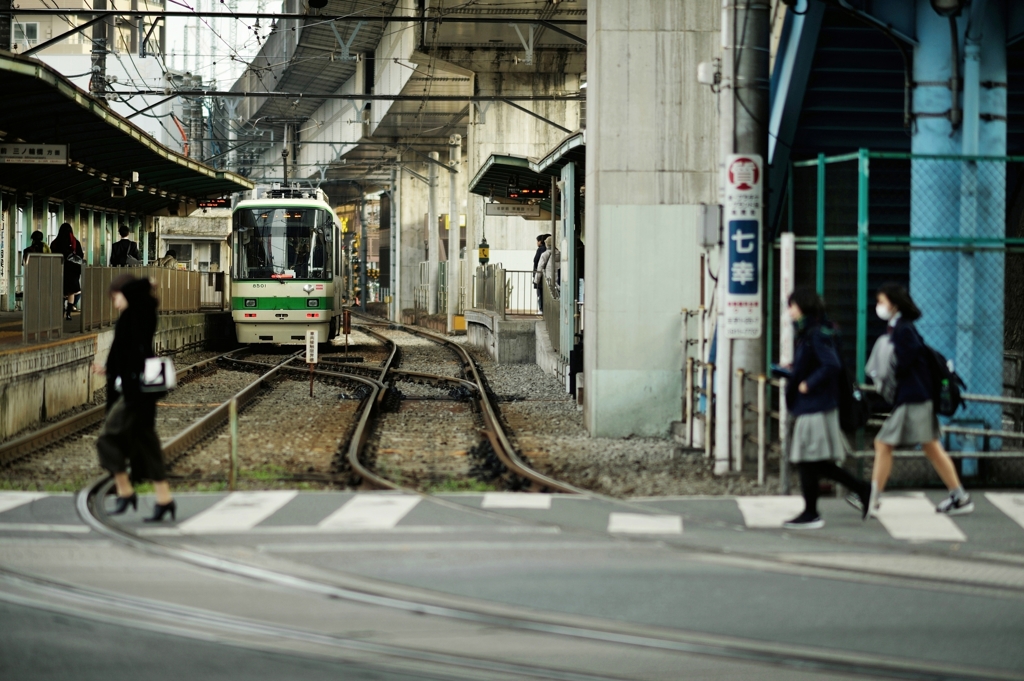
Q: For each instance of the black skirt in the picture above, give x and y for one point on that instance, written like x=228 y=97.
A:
x=128 y=440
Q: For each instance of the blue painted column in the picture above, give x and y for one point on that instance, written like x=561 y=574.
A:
x=961 y=293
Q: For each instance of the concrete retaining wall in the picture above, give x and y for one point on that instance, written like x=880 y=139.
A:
x=39 y=382
x=507 y=341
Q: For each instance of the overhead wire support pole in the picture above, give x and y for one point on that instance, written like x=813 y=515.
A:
x=152 y=106
x=63 y=36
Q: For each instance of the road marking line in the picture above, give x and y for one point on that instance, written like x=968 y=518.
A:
x=516 y=500
x=1010 y=504
x=641 y=523
x=402 y=529
x=237 y=512
x=915 y=519
x=761 y=512
x=9 y=500
x=370 y=512
x=42 y=527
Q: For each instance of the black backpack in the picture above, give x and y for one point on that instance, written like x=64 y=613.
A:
x=946 y=387
x=853 y=407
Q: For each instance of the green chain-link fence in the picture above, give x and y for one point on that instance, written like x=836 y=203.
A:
x=950 y=228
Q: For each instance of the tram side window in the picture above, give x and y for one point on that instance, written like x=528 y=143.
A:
x=283 y=243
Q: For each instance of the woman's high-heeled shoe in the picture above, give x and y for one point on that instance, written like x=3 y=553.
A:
x=163 y=509
x=123 y=503
x=67 y=311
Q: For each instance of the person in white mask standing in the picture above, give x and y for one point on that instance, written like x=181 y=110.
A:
x=912 y=420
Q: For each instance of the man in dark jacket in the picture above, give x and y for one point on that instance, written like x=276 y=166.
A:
x=120 y=251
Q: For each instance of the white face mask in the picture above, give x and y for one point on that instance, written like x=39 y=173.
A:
x=883 y=311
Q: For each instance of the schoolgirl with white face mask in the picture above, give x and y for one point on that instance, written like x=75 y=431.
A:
x=912 y=420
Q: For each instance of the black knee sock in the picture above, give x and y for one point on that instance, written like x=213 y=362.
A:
x=809 y=482
x=832 y=471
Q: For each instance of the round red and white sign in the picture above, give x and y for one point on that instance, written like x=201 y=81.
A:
x=744 y=173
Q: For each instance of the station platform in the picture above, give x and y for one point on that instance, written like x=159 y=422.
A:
x=41 y=380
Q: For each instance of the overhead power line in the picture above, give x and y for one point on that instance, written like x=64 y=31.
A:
x=280 y=15
x=297 y=96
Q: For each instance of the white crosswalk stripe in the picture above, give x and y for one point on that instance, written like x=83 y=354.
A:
x=370 y=512
x=641 y=523
x=10 y=500
x=1010 y=504
x=914 y=519
x=516 y=500
x=237 y=512
x=761 y=512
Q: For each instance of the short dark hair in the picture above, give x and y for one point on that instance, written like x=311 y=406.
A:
x=123 y=230
x=809 y=302
x=900 y=297
x=37 y=236
x=171 y=252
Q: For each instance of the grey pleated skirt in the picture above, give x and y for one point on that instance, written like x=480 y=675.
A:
x=816 y=437
x=910 y=424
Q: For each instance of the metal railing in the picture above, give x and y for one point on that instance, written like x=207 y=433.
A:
x=521 y=296
x=698 y=381
x=489 y=289
x=178 y=291
x=43 y=316
x=214 y=291
x=764 y=415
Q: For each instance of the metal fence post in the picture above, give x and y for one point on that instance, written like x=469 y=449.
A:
x=863 y=227
x=762 y=425
x=688 y=403
x=819 y=271
x=709 y=408
x=737 y=421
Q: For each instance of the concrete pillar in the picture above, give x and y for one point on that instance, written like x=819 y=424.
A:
x=396 y=245
x=433 y=238
x=10 y=253
x=29 y=222
x=961 y=293
x=454 y=232
x=651 y=160
x=105 y=242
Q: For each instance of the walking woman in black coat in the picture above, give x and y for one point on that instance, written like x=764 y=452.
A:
x=71 y=248
x=129 y=439
x=816 y=443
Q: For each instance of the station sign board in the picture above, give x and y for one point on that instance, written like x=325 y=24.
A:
x=742 y=214
x=222 y=202
x=35 y=154
x=523 y=210
x=311 y=346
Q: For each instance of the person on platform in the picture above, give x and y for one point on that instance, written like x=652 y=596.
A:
x=538 y=268
x=816 y=442
x=68 y=246
x=912 y=420
x=541 y=248
x=128 y=440
x=125 y=249
x=170 y=260
x=38 y=245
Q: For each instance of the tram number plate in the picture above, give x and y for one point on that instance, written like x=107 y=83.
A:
x=311 y=345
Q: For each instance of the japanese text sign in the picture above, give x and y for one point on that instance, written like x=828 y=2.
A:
x=743 y=220
x=39 y=154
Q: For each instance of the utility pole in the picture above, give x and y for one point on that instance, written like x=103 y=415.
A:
x=433 y=238
x=454 y=230
x=364 y=251
x=98 y=81
x=284 y=156
x=744 y=96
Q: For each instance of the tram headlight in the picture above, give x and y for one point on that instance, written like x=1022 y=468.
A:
x=250 y=302
x=312 y=302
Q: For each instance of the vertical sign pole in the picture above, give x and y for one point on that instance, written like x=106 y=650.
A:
x=311 y=358
x=233 y=419
x=346 y=326
x=787 y=278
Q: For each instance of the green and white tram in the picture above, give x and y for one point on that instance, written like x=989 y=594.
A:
x=285 y=272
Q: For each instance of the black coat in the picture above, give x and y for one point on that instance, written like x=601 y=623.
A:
x=72 y=270
x=536 y=256
x=816 y=361
x=913 y=376
x=133 y=343
x=120 y=251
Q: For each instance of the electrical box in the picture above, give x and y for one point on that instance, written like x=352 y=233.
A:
x=710 y=225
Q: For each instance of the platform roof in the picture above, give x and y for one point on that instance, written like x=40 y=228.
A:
x=104 y=148
x=492 y=180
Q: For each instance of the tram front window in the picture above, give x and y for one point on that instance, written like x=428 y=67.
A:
x=282 y=243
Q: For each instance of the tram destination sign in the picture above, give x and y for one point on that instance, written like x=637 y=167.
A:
x=744 y=191
x=35 y=154
x=522 y=210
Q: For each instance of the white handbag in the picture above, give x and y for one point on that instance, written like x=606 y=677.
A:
x=158 y=376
